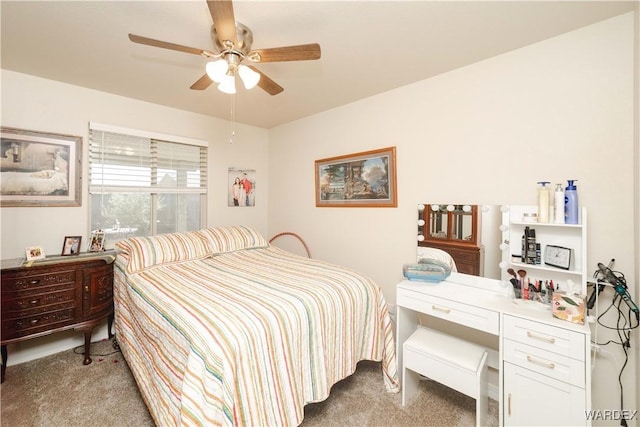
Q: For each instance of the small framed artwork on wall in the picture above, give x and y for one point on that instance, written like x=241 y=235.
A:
x=39 y=169
x=366 y=179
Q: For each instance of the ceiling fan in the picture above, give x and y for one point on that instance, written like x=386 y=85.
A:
x=235 y=56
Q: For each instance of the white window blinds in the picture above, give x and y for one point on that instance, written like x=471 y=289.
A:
x=143 y=164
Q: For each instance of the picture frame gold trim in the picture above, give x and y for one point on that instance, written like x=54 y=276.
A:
x=364 y=179
x=39 y=169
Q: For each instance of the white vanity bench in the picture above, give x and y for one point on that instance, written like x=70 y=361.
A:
x=543 y=363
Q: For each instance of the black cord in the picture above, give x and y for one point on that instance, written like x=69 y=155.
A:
x=623 y=328
x=80 y=350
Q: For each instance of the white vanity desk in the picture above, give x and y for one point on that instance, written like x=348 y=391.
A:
x=543 y=363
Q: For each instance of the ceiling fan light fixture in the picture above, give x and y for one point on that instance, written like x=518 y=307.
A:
x=217 y=70
x=249 y=77
x=228 y=84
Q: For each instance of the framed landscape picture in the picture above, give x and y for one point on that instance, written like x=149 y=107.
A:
x=366 y=179
x=39 y=169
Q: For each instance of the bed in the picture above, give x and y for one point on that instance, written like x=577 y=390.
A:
x=219 y=327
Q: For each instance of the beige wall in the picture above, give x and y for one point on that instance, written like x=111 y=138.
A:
x=556 y=110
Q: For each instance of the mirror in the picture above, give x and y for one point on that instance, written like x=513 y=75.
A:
x=469 y=233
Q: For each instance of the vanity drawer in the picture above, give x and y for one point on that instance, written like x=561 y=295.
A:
x=561 y=368
x=453 y=311
x=560 y=341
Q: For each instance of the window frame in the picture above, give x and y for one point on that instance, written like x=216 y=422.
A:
x=154 y=190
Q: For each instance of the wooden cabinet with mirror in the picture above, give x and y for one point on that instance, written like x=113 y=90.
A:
x=454 y=229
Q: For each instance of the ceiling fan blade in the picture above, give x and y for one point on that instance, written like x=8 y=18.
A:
x=172 y=46
x=266 y=84
x=223 y=19
x=202 y=83
x=303 y=52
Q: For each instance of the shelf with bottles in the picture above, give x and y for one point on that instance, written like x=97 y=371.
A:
x=549 y=236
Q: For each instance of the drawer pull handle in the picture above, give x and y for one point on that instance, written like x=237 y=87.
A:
x=34 y=282
x=442 y=309
x=509 y=404
x=541 y=363
x=34 y=321
x=33 y=301
x=541 y=338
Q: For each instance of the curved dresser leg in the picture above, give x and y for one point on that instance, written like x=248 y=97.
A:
x=3 y=350
x=87 y=347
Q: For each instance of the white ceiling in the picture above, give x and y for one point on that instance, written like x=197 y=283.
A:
x=368 y=47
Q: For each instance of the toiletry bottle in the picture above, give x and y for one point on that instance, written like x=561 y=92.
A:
x=571 y=203
x=543 y=202
x=558 y=207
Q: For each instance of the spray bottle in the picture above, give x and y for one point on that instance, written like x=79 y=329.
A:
x=558 y=205
x=571 y=203
x=543 y=202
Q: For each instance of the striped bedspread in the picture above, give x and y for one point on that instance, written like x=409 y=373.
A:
x=247 y=337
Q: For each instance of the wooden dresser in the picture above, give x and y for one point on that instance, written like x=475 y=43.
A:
x=454 y=229
x=55 y=294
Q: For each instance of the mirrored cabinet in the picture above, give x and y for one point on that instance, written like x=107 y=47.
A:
x=454 y=229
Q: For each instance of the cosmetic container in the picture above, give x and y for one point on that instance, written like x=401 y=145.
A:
x=571 y=203
x=543 y=202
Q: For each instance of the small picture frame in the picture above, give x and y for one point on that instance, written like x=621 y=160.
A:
x=71 y=245
x=96 y=243
x=34 y=253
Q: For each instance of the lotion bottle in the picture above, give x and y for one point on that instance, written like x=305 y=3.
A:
x=558 y=205
x=543 y=202
x=571 y=203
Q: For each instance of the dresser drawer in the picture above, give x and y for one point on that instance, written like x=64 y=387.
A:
x=28 y=325
x=560 y=341
x=30 y=304
x=34 y=281
x=561 y=368
x=463 y=314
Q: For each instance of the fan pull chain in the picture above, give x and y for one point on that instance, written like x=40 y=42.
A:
x=233 y=118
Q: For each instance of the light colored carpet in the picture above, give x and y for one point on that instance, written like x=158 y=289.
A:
x=58 y=391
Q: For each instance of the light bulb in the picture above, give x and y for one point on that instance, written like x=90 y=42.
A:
x=435 y=207
x=249 y=77
x=216 y=70
x=228 y=85
x=421 y=222
x=466 y=208
x=420 y=237
x=420 y=207
x=450 y=208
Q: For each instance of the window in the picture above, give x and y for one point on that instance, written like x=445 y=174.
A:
x=143 y=184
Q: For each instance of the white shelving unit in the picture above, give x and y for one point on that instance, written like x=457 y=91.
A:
x=573 y=236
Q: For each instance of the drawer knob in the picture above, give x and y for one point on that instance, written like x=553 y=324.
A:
x=542 y=363
x=441 y=309
x=541 y=338
x=34 y=281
